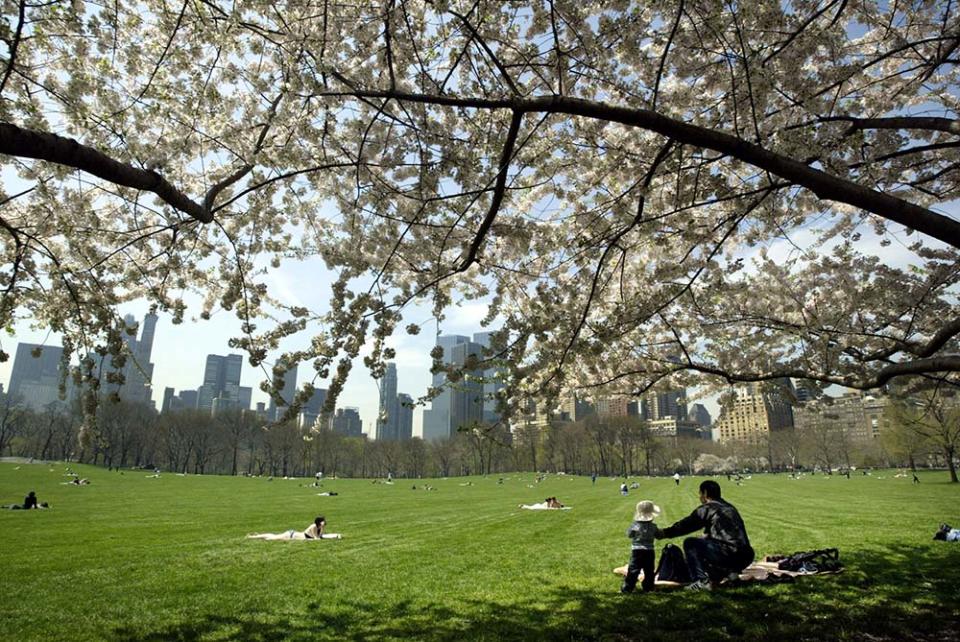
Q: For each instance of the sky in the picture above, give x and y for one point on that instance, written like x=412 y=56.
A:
x=179 y=351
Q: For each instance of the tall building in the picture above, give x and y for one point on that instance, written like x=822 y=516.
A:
x=662 y=405
x=388 y=419
x=246 y=396
x=469 y=400
x=754 y=412
x=436 y=419
x=346 y=421
x=613 y=407
x=221 y=383
x=168 y=397
x=137 y=370
x=185 y=400
x=466 y=398
x=404 y=417
x=858 y=415
x=35 y=377
x=492 y=381
x=275 y=411
x=572 y=408
x=311 y=412
x=701 y=415
x=805 y=391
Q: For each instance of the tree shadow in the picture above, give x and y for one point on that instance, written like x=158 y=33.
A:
x=895 y=593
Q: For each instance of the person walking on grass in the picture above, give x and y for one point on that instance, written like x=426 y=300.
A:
x=676 y=478
x=642 y=555
x=724 y=549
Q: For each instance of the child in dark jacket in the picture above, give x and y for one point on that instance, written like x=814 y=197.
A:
x=642 y=555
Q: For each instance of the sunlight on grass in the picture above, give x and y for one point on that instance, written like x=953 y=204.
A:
x=133 y=558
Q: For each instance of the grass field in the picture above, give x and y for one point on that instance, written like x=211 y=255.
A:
x=134 y=558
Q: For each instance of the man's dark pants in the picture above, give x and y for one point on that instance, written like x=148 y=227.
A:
x=709 y=559
x=640 y=559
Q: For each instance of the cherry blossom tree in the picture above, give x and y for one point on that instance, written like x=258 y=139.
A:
x=617 y=180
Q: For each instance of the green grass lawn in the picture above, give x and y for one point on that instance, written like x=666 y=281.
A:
x=133 y=558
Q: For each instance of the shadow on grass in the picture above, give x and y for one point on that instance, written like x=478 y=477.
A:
x=898 y=593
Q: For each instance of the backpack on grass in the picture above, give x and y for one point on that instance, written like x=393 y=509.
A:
x=672 y=566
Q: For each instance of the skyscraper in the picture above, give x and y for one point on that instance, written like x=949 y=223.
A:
x=388 y=420
x=35 y=378
x=436 y=419
x=311 y=412
x=137 y=370
x=404 y=417
x=466 y=398
x=221 y=382
x=470 y=399
x=346 y=421
x=492 y=381
x=701 y=415
x=755 y=411
x=665 y=404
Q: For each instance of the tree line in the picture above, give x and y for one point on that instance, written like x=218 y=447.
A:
x=921 y=432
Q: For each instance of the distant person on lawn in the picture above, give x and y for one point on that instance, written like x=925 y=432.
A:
x=30 y=501
x=947 y=534
x=724 y=549
x=316 y=530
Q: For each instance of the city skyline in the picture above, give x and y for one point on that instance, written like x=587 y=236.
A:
x=179 y=355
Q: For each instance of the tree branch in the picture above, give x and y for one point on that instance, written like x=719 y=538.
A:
x=824 y=185
x=25 y=143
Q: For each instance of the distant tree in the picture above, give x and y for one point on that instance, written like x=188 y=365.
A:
x=12 y=417
x=932 y=416
x=444 y=452
x=686 y=450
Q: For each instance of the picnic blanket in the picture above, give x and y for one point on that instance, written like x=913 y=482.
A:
x=766 y=571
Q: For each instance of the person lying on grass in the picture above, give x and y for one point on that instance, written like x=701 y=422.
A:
x=316 y=530
x=550 y=503
x=947 y=534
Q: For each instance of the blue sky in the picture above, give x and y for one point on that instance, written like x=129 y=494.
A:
x=179 y=351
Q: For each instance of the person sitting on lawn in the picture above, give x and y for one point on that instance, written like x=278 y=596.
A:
x=316 y=530
x=723 y=551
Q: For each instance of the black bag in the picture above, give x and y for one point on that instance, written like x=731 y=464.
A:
x=672 y=566
x=823 y=560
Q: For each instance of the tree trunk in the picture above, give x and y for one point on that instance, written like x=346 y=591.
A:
x=952 y=467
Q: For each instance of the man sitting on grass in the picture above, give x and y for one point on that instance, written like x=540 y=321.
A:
x=723 y=551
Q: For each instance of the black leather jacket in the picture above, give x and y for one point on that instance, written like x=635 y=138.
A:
x=721 y=522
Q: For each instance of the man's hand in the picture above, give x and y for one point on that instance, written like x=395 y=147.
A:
x=658 y=534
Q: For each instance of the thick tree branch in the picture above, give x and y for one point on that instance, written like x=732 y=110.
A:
x=948 y=125
x=498 y=192
x=824 y=185
x=24 y=143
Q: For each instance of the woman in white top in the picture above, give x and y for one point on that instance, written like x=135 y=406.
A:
x=316 y=530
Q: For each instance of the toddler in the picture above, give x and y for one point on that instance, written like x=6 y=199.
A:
x=642 y=555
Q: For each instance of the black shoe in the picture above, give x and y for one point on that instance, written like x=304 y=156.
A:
x=625 y=590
